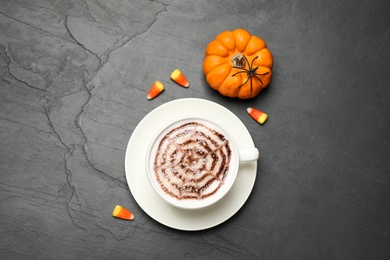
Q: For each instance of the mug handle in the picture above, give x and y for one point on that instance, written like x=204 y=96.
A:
x=250 y=154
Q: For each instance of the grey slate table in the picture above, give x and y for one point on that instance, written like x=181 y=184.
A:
x=73 y=85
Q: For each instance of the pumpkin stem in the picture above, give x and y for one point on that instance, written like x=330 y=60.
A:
x=239 y=60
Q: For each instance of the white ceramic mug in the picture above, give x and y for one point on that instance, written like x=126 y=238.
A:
x=194 y=157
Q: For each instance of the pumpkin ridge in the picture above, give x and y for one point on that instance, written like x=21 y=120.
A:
x=214 y=48
x=207 y=65
x=228 y=40
x=265 y=58
x=219 y=66
x=218 y=75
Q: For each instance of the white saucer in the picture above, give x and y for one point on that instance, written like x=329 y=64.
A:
x=151 y=202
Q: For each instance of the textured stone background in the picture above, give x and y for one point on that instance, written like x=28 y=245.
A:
x=73 y=82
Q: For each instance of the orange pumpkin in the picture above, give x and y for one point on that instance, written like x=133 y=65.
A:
x=238 y=64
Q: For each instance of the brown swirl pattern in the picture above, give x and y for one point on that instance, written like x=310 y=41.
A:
x=192 y=161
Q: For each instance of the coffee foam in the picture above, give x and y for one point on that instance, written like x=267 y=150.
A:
x=191 y=160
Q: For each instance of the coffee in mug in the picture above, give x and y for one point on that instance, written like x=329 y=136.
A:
x=193 y=162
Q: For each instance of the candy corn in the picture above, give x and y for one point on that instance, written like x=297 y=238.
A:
x=257 y=115
x=178 y=77
x=123 y=213
x=155 y=90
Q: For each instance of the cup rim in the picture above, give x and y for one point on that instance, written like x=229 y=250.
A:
x=184 y=204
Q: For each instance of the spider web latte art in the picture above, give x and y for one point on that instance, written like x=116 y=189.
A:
x=192 y=161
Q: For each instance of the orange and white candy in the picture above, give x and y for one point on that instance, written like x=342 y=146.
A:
x=123 y=213
x=178 y=77
x=257 y=115
x=155 y=90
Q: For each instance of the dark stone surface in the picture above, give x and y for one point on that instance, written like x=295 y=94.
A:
x=73 y=84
